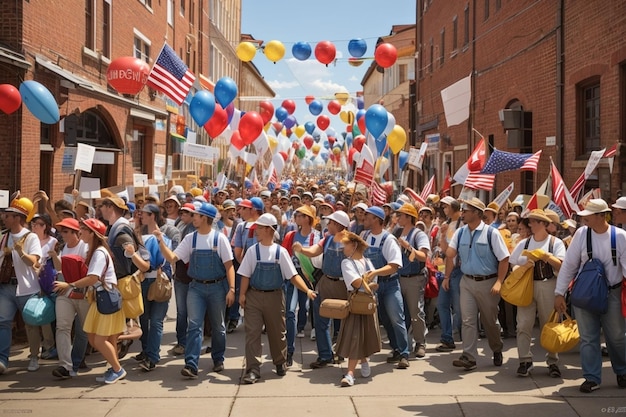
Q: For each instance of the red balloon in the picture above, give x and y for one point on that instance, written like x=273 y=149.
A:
x=358 y=143
x=237 y=141
x=334 y=107
x=308 y=141
x=325 y=52
x=218 y=122
x=309 y=99
x=323 y=122
x=250 y=126
x=361 y=123
x=331 y=141
x=289 y=105
x=266 y=110
x=349 y=128
x=288 y=132
x=284 y=155
x=386 y=55
x=128 y=74
x=351 y=153
x=277 y=127
x=10 y=98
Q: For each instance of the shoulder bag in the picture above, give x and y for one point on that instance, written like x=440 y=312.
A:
x=107 y=301
x=161 y=289
x=559 y=335
x=362 y=302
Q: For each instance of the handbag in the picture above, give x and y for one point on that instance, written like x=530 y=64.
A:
x=7 y=269
x=133 y=307
x=431 y=290
x=518 y=287
x=559 y=335
x=332 y=308
x=363 y=302
x=47 y=276
x=39 y=310
x=161 y=289
x=130 y=285
x=107 y=301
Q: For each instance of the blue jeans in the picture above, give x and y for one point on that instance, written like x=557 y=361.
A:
x=293 y=300
x=391 y=314
x=151 y=322
x=614 y=328
x=203 y=298
x=180 y=292
x=9 y=304
x=322 y=333
x=449 y=307
x=233 y=311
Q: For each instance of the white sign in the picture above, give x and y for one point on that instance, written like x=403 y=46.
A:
x=89 y=188
x=159 y=167
x=414 y=154
x=200 y=151
x=140 y=180
x=4 y=198
x=84 y=157
x=433 y=143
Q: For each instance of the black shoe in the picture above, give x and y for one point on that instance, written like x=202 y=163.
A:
x=141 y=357
x=208 y=349
x=605 y=351
x=61 y=372
x=189 y=372
x=464 y=362
x=621 y=381
x=289 y=361
x=232 y=325
x=250 y=378
x=524 y=368
x=83 y=365
x=281 y=370
x=554 y=371
x=446 y=347
x=394 y=358
x=147 y=365
x=218 y=367
x=589 y=386
x=497 y=358
x=124 y=346
x=320 y=363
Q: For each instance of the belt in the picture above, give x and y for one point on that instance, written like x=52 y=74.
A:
x=12 y=281
x=389 y=278
x=612 y=287
x=209 y=281
x=334 y=278
x=256 y=289
x=479 y=278
x=410 y=276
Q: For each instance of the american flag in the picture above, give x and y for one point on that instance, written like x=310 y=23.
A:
x=171 y=76
x=501 y=161
x=364 y=172
x=379 y=196
x=429 y=188
x=273 y=179
x=479 y=181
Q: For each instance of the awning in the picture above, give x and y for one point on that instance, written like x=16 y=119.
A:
x=95 y=88
x=13 y=58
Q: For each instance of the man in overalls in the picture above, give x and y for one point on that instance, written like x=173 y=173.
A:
x=330 y=284
x=386 y=256
x=212 y=286
x=264 y=268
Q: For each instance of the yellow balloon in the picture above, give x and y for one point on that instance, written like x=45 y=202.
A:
x=342 y=98
x=315 y=148
x=246 y=51
x=396 y=139
x=267 y=126
x=274 y=51
x=299 y=131
x=347 y=117
x=273 y=143
x=336 y=150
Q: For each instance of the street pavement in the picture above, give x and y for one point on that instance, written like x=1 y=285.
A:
x=430 y=387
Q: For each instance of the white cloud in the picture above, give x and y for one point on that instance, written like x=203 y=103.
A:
x=282 y=85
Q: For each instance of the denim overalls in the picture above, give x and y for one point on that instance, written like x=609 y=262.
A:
x=267 y=276
x=333 y=255
x=410 y=268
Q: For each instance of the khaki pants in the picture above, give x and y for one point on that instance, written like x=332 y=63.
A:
x=412 y=289
x=66 y=310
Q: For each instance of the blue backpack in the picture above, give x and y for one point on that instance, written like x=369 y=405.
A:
x=590 y=290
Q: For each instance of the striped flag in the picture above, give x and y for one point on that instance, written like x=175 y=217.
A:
x=611 y=152
x=501 y=161
x=560 y=193
x=364 y=172
x=429 y=188
x=379 y=196
x=532 y=162
x=171 y=76
x=479 y=181
x=414 y=196
x=592 y=163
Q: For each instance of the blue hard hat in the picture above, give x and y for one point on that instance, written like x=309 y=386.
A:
x=207 y=209
x=257 y=204
x=376 y=211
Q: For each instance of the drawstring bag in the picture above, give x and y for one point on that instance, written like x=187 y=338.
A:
x=559 y=335
x=47 y=276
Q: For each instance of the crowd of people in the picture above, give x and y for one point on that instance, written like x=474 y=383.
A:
x=266 y=262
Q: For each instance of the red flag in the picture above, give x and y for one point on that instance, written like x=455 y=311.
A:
x=445 y=190
x=578 y=186
x=364 y=172
x=532 y=203
x=379 y=196
x=480 y=181
x=414 y=196
x=273 y=179
x=478 y=158
x=560 y=193
x=429 y=188
x=611 y=152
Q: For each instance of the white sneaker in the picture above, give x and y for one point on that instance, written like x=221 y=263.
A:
x=366 y=371
x=3 y=368
x=312 y=334
x=33 y=365
x=347 y=380
x=300 y=334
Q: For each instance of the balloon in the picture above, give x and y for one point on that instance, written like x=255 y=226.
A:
x=342 y=97
x=386 y=55
x=351 y=155
x=299 y=131
x=301 y=152
x=331 y=141
x=403 y=158
x=316 y=107
x=40 y=101
x=309 y=99
x=237 y=141
x=325 y=52
x=274 y=51
x=273 y=142
x=347 y=117
x=250 y=127
x=381 y=144
x=10 y=99
x=217 y=123
x=225 y=91
x=396 y=139
x=391 y=122
x=355 y=62
x=281 y=114
x=323 y=121
x=360 y=113
x=357 y=47
x=289 y=105
x=245 y=51
x=358 y=142
x=360 y=121
x=127 y=74
x=336 y=150
x=316 y=148
x=308 y=142
x=266 y=110
x=230 y=112
x=290 y=122
x=301 y=51
x=360 y=103
x=331 y=132
x=333 y=107
x=309 y=127
x=376 y=119
x=202 y=107
x=284 y=155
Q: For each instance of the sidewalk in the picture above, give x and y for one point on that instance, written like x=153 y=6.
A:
x=430 y=387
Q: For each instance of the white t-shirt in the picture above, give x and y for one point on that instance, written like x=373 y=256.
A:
x=558 y=249
x=97 y=264
x=27 y=278
x=353 y=269
x=204 y=241
x=267 y=254
x=47 y=247
x=80 y=249
x=391 y=248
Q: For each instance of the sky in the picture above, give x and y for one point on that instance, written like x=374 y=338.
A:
x=338 y=21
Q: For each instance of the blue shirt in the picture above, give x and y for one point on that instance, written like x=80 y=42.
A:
x=477 y=256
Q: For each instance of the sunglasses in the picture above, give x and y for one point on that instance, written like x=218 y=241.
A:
x=38 y=224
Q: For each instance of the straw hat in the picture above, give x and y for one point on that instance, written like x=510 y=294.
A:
x=595 y=206
x=539 y=214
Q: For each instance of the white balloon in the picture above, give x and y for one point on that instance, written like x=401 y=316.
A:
x=391 y=122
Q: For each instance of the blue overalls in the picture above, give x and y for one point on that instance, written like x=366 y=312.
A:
x=267 y=276
x=207 y=293
x=390 y=302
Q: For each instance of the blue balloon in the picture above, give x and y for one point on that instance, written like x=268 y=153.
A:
x=290 y=121
x=326 y=144
x=381 y=143
x=357 y=47
x=202 y=107
x=301 y=51
x=359 y=114
x=316 y=107
x=324 y=156
x=403 y=158
x=349 y=139
x=376 y=119
x=309 y=127
x=281 y=114
x=360 y=103
x=271 y=186
x=40 y=101
x=225 y=91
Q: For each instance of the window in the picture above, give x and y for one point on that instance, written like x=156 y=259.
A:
x=442 y=48
x=402 y=73
x=182 y=7
x=92 y=130
x=467 y=26
x=147 y=3
x=106 y=28
x=141 y=47
x=432 y=55
x=455 y=33
x=90 y=27
x=136 y=147
x=589 y=115
x=487 y=9
x=170 y=12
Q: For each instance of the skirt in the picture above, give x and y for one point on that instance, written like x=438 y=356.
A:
x=359 y=336
x=104 y=324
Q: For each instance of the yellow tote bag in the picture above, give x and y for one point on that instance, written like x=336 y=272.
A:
x=517 y=288
x=559 y=335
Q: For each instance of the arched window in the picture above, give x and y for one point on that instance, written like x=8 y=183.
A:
x=92 y=130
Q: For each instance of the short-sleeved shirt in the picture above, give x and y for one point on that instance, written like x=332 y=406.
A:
x=267 y=254
x=352 y=270
x=204 y=242
x=391 y=248
x=97 y=266
x=27 y=278
x=474 y=250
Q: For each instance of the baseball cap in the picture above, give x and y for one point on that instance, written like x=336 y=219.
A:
x=362 y=206
x=228 y=203
x=151 y=208
x=69 y=223
x=188 y=207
